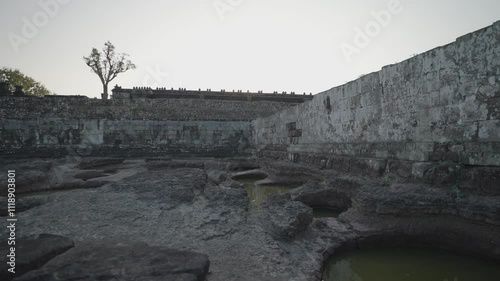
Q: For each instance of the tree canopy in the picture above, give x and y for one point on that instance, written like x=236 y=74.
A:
x=108 y=64
x=16 y=78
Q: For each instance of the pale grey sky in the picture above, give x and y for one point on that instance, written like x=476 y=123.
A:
x=270 y=45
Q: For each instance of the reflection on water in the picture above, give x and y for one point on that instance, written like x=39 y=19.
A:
x=322 y=212
x=258 y=194
x=408 y=265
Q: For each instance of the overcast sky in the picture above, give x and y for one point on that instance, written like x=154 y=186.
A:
x=269 y=45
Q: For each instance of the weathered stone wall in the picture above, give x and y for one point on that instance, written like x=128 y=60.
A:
x=81 y=107
x=440 y=105
x=53 y=137
x=163 y=93
x=55 y=126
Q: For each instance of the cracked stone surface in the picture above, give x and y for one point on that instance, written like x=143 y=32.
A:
x=181 y=207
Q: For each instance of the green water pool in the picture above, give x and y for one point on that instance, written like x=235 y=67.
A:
x=322 y=212
x=408 y=265
x=258 y=194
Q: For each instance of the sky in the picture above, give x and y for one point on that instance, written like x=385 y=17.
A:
x=270 y=45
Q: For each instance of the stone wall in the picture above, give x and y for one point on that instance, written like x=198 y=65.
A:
x=442 y=105
x=53 y=137
x=182 y=93
x=55 y=126
x=81 y=107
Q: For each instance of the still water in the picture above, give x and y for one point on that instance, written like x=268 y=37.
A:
x=258 y=194
x=322 y=212
x=408 y=265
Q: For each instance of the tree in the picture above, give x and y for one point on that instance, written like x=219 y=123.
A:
x=108 y=64
x=14 y=77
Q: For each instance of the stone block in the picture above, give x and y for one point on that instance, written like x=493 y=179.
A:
x=402 y=169
x=443 y=173
x=418 y=169
x=482 y=180
x=370 y=166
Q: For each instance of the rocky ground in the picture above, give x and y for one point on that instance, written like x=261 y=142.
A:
x=163 y=219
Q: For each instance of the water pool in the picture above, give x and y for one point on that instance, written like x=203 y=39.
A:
x=408 y=265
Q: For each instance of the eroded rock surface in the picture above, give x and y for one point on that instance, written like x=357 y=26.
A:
x=280 y=172
x=178 y=208
x=36 y=175
x=227 y=196
x=33 y=253
x=181 y=206
x=335 y=195
x=117 y=260
x=169 y=187
x=93 y=163
x=21 y=205
x=31 y=174
x=90 y=175
x=413 y=200
x=284 y=218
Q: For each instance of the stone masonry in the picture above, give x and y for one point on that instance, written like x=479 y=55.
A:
x=442 y=106
x=438 y=109
x=54 y=126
